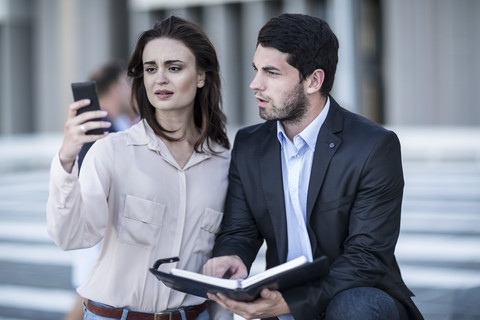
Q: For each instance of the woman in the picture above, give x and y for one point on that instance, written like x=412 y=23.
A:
x=153 y=191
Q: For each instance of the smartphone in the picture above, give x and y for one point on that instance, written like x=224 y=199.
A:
x=87 y=90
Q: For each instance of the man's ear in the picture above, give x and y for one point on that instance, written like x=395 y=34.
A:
x=201 y=79
x=315 y=81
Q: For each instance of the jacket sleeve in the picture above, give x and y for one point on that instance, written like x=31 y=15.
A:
x=239 y=234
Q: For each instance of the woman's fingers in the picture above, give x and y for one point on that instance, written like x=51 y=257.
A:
x=85 y=127
x=73 y=108
x=75 y=132
x=85 y=116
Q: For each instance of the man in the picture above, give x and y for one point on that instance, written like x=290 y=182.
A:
x=313 y=180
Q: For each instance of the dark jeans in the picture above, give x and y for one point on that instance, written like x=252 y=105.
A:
x=364 y=303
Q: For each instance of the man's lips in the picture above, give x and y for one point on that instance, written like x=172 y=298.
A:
x=261 y=101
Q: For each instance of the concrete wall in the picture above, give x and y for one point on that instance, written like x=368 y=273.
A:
x=402 y=62
x=432 y=50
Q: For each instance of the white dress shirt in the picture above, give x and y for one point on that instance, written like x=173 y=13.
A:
x=132 y=194
x=297 y=159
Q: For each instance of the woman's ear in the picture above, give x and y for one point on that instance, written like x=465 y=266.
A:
x=315 y=81
x=201 y=79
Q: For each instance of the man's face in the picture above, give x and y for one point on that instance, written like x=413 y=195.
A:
x=279 y=92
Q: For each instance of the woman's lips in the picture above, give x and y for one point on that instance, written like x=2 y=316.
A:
x=163 y=94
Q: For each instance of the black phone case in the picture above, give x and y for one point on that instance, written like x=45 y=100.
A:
x=87 y=90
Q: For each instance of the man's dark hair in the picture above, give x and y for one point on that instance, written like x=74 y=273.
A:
x=107 y=75
x=308 y=41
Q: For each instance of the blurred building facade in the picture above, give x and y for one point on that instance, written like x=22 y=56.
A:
x=402 y=62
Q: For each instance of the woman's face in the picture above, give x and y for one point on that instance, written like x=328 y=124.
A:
x=170 y=75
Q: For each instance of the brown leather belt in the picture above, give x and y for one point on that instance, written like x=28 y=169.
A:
x=116 y=313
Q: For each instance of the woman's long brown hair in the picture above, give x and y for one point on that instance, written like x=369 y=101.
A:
x=208 y=115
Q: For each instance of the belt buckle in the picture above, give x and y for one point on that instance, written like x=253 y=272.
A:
x=158 y=316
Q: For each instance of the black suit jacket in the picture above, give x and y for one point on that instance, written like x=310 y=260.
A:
x=353 y=208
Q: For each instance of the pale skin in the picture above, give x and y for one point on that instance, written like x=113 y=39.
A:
x=74 y=137
x=273 y=84
x=171 y=80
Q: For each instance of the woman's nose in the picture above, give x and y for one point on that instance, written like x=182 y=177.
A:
x=161 y=78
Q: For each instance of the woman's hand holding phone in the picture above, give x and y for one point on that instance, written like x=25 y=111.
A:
x=76 y=127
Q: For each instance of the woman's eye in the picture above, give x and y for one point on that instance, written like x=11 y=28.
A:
x=150 y=69
x=175 y=68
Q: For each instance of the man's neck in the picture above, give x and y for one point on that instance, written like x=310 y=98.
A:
x=292 y=128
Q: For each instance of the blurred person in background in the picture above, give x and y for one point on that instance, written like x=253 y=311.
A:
x=114 y=96
x=155 y=190
x=315 y=180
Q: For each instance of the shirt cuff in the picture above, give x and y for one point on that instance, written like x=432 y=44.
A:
x=63 y=181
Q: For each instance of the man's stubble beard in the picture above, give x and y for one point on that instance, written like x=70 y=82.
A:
x=293 y=107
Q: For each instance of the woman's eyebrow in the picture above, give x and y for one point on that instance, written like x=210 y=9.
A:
x=167 y=62
x=149 y=62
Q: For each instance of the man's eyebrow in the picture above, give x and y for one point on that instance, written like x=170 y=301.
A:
x=266 y=68
x=270 y=68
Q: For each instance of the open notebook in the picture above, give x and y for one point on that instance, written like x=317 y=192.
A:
x=287 y=275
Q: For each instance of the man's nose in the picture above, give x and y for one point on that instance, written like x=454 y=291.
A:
x=257 y=83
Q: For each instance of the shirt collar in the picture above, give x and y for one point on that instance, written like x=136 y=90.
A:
x=142 y=134
x=310 y=133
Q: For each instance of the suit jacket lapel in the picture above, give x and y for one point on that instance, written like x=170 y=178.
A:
x=272 y=187
x=327 y=144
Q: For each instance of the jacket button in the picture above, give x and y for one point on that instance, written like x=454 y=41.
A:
x=331 y=145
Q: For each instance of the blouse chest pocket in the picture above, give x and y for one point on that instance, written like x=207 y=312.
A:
x=209 y=227
x=141 y=221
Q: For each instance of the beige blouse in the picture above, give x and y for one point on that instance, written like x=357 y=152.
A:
x=132 y=194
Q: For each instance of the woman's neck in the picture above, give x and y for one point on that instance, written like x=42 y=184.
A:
x=181 y=125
